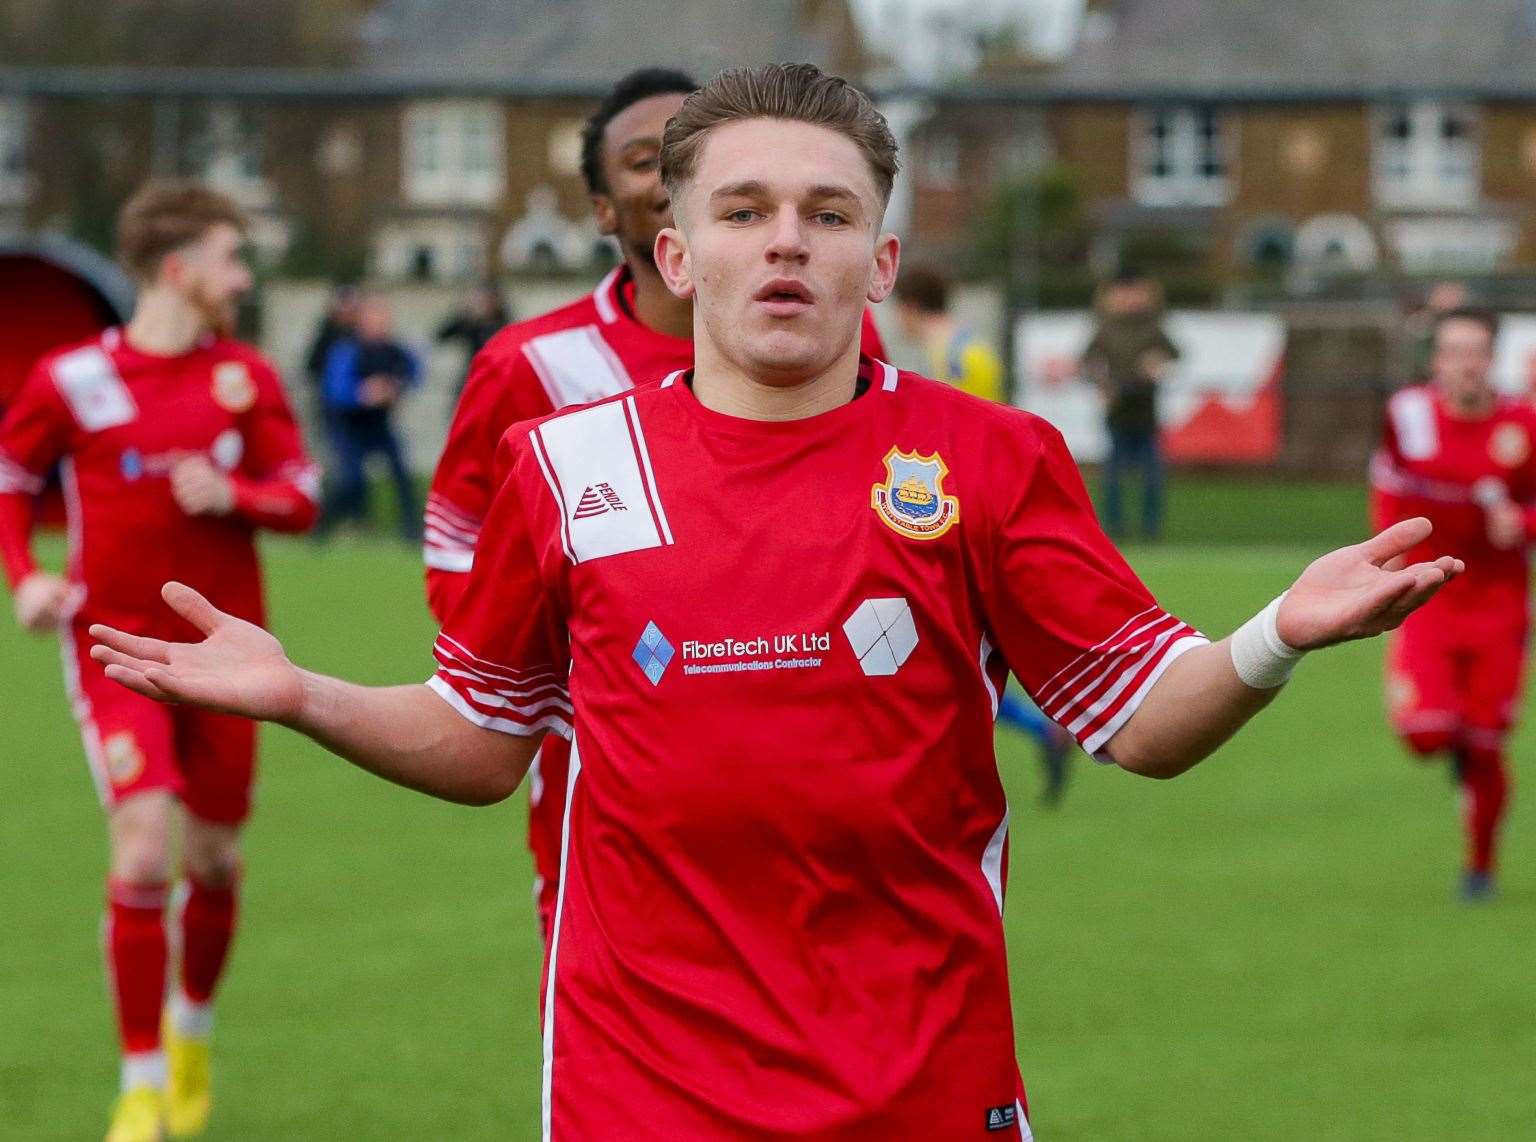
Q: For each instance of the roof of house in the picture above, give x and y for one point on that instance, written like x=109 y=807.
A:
x=581 y=43
x=1299 y=47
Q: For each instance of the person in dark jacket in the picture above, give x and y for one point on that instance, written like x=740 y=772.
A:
x=1127 y=357
x=481 y=318
x=362 y=380
x=339 y=321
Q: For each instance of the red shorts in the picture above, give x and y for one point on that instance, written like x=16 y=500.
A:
x=135 y=744
x=1453 y=673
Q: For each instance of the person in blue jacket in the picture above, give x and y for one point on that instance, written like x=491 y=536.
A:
x=361 y=383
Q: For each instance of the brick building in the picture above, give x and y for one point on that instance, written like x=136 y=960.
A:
x=445 y=147
x=1305 y=136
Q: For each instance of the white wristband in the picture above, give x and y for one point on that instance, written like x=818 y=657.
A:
x=1261 y=658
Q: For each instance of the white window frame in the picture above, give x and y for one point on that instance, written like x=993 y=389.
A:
x=15 y=182
x=941 y=161
x=229 y=157
x=453 y=152
x=1421 y=167
x=1186 y=151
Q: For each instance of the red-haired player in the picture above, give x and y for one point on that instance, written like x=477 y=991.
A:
x=1457 y=452
x=177 y=443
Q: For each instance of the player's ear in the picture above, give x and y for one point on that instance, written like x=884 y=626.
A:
x=887 y=262
x=172 y=270
x=607 y=217
x=672 y=260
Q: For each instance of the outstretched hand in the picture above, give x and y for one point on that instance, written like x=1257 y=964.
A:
x=1363 y=590
x=237 y=668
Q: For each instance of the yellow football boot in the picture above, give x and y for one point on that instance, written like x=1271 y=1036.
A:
x=189 y=1097
x=138 y=1116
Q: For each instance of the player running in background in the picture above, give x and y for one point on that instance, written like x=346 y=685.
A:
x=960 y=358
x=1457 y=452
x=631 y=329
x=177 y=444
x=773 y=599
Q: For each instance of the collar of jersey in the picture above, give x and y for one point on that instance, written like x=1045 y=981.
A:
x=834 y=419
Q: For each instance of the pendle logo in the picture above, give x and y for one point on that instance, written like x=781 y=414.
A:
x=1002 y=1117
x=597 y=499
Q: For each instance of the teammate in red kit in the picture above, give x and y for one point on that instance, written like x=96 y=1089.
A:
x=772 y=600
x=630 y=330
x=177 y=443
x=1457 y=452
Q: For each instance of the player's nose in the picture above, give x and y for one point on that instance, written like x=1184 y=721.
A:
x=787 y=240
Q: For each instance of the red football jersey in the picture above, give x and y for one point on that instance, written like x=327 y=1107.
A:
x=1447 y=468
x=778 y=647
x=583 y=352
x=590 y=349
x=120 y=419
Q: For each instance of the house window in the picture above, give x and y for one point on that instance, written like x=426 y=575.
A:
x=1427 y=154
x=565 y=147
x=454 y=152
x=941 y=161
x=1180 y=157
x=13 y=150
x=224 y=149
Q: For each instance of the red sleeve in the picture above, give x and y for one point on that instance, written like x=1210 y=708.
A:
x=502 y=390
x=504 y=654
x=869 y=337
x=1073 y=621
x=276 y=484
x=34 y=434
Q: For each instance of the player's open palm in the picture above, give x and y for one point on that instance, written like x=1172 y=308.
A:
x=1362 y=590
x=237 y=668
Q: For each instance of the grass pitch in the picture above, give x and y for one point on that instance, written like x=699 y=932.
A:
x=1264 y=949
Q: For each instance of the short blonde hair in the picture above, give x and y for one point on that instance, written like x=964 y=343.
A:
x=799 y=92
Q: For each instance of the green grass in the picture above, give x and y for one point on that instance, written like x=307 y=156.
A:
x=1265 y=949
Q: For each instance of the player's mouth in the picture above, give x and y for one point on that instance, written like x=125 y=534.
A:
x=784 y=297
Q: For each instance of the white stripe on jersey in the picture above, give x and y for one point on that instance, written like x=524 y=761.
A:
x=556 y=722
x=889 y=373
x=1112 y=662
x=986 y=679
x=992 y=861
x=1044 y=694
x=602 y=296
x=97 y=398
x=594 y=454
x=1413 y=417
x=576 y=366
x=1094 y=744
x=554 y=490
x=547 y=1097
x=644 y=452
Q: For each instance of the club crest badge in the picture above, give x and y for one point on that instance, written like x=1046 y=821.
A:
x=1509 y=445
x=233 y=389
x=125 y=761
x=911 y=500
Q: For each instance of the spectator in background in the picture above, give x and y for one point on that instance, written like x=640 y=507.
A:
x=954 y=353
x=1127 y=357
x=956 y=356
x=339 y=321
x=482 y=316
x=1443 y=297
x=362 y=380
